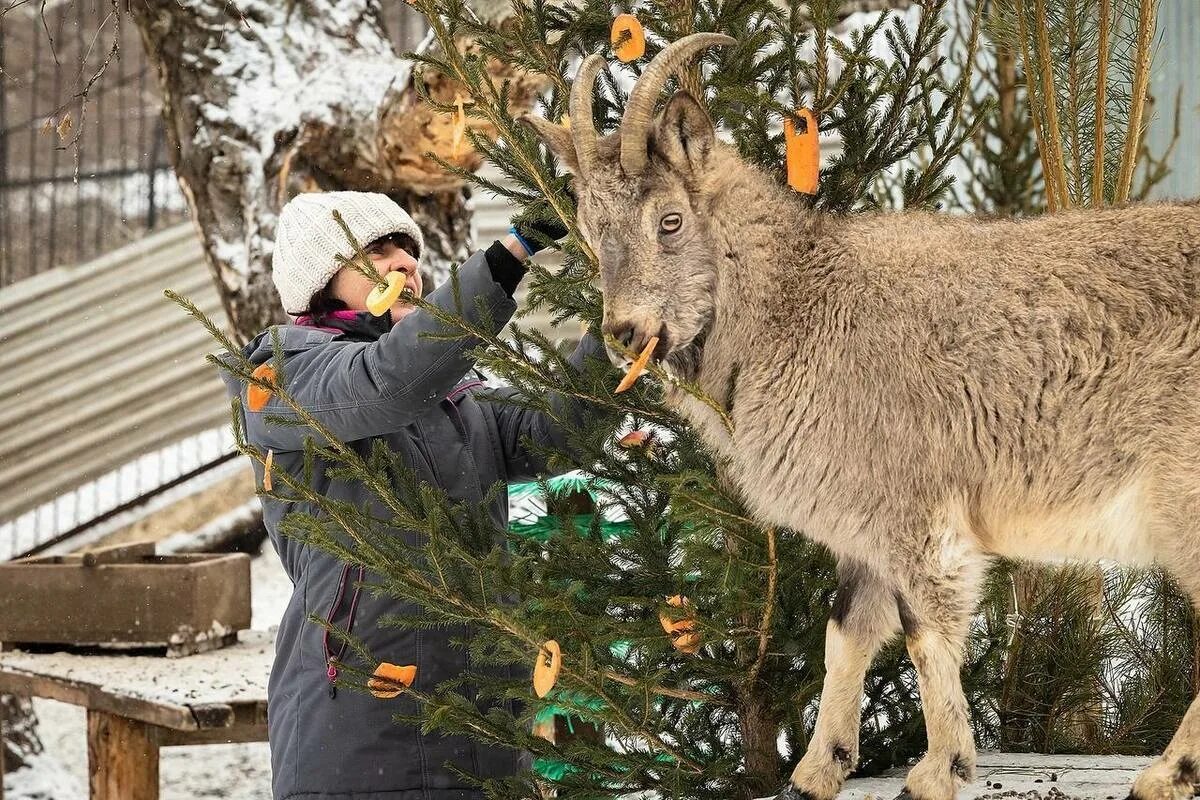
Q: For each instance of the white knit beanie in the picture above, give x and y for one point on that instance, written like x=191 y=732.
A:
x=308 y=240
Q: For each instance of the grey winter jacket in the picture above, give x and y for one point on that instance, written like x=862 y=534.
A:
x=416 y=395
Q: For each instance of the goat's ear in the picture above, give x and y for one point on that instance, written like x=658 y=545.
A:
x=557 y=139
x=684 y=134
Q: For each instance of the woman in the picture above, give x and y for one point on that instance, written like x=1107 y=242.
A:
x=370 y=379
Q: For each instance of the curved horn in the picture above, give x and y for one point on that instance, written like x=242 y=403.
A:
x=639 y=111
x=583 y=131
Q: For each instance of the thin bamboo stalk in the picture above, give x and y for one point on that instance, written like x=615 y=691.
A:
x=1141 y=77
x=1101 y=100
x=1050 y=97
x=1031 y=92
x=1073 y=98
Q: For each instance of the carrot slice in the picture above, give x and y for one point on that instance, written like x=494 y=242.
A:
x=267 y=470
x=545 y=674
x=381 y=298
x=256 y=396
x=638 y=366
x=803 y=152
x=389 y=680
x=627 y=38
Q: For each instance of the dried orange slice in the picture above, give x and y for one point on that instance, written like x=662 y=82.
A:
x=687 y=643
x=459 y=118
x=627 y=38
x=671 y=625
x=256 y=396
x=545 y=674
x=638 y=366
x=267 y=470
x=635 y=439
x=684 y=636
x=381 y=298
x=803 y=152
x=389 y=680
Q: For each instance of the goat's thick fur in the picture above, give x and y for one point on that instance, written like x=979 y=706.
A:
x=919 y=393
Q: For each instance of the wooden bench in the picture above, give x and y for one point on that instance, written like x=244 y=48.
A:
x=139 y=703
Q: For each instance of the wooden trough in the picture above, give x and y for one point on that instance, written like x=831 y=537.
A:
x=126 y=597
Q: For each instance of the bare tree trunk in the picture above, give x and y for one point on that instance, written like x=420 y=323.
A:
x=273 y=97
x=760 y=737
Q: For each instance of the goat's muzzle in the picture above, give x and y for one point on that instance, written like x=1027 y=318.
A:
x=632 y=333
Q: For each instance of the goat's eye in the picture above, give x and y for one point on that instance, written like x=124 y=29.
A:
x=670 y=223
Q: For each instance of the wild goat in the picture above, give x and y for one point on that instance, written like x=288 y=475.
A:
x=917 y=392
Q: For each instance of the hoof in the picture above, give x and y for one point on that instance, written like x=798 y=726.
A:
x=905 y=795
x=790 y=792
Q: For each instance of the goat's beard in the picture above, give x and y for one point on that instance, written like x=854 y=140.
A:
x=684 y=362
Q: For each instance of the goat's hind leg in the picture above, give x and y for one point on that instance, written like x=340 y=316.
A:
x=864 y=617
x=935 y=610
x=1176 y=775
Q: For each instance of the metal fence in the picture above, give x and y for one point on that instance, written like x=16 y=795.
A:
x=105 y=180
x=77 y=178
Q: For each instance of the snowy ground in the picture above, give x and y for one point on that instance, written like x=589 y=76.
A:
x=242 y=771
x=1008 y=776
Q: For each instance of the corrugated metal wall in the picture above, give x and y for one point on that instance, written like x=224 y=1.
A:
x=1177 y=64
x=100 y=368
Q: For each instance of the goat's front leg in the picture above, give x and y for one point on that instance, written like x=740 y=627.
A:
x=935 y=611
x=864 y=617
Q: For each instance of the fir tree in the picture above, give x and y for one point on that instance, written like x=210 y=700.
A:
x=684 y=725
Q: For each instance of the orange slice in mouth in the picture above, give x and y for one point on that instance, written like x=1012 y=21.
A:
x=638 y=366
x=545 y=674
x=382 y=298
x=389 y=680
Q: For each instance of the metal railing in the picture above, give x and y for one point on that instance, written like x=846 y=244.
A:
x=104 y=180
x=121 y=490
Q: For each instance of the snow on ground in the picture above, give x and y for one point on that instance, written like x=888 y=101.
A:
x=1029 y=776
x=226 y=771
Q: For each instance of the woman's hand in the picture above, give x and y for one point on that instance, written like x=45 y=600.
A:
x=526 y=234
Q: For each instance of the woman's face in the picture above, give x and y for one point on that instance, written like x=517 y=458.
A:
x=352 y=287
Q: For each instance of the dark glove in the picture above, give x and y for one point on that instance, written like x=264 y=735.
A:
x=532 y=230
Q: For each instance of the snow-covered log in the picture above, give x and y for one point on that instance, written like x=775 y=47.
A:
x=265 y=98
